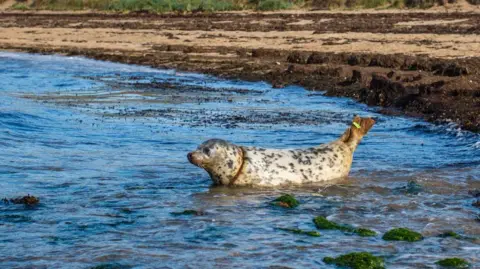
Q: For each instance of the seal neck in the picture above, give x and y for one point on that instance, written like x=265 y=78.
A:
x=242 y=155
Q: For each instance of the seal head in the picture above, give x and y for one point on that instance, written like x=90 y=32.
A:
x=222 y=160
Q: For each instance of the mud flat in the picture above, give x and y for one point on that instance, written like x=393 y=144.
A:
x=421 y=64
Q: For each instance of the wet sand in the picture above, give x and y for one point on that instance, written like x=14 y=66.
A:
x=421 y=64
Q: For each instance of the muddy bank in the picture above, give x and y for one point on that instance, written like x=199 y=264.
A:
x=417 y=75
x=408 y=22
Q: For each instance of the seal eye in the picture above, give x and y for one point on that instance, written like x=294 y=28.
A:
x=206 y=151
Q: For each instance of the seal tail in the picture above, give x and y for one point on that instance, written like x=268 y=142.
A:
x=358 y=129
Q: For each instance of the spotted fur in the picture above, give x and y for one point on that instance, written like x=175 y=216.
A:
x=229 y=164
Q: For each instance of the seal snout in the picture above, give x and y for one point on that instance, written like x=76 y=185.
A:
x=191 y=158
x=194 y=159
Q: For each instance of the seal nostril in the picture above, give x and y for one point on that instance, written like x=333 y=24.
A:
x=189 y=156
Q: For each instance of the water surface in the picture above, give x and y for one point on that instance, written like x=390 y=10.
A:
x=104 y=145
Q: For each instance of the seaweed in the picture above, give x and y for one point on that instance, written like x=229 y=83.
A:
x=287 y=201
x=357 y=260
x=453 y=263
x=299 y=231
x=323 y=224
x=451 y=234
x=402 y=234
x=364 y=232
x=24 y=200
x=188 y=212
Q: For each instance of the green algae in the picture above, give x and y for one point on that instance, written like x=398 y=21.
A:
x=453 y=263
x=188 y=212
x=357 y=260
x=457 y=236
x=323 y=224
x=299 y=231
x=402 y=234
x=450 y=234
x=364 y=232
x=287 y=201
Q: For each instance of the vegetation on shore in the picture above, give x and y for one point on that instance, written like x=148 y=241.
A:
x=162 y=6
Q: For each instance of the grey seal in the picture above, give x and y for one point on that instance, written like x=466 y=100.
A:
x=230 y=164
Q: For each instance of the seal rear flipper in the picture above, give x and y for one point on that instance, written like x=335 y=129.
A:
x=355 y=133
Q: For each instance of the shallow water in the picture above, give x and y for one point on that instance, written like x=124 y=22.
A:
x=104 y=146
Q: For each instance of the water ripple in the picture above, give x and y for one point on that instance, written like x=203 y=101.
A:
x=103 y=145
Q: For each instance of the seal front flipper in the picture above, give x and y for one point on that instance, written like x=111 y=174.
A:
x=355 y=133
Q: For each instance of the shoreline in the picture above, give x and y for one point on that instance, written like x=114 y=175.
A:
x=431 y=80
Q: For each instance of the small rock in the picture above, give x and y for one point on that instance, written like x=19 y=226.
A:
x=25 y=200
